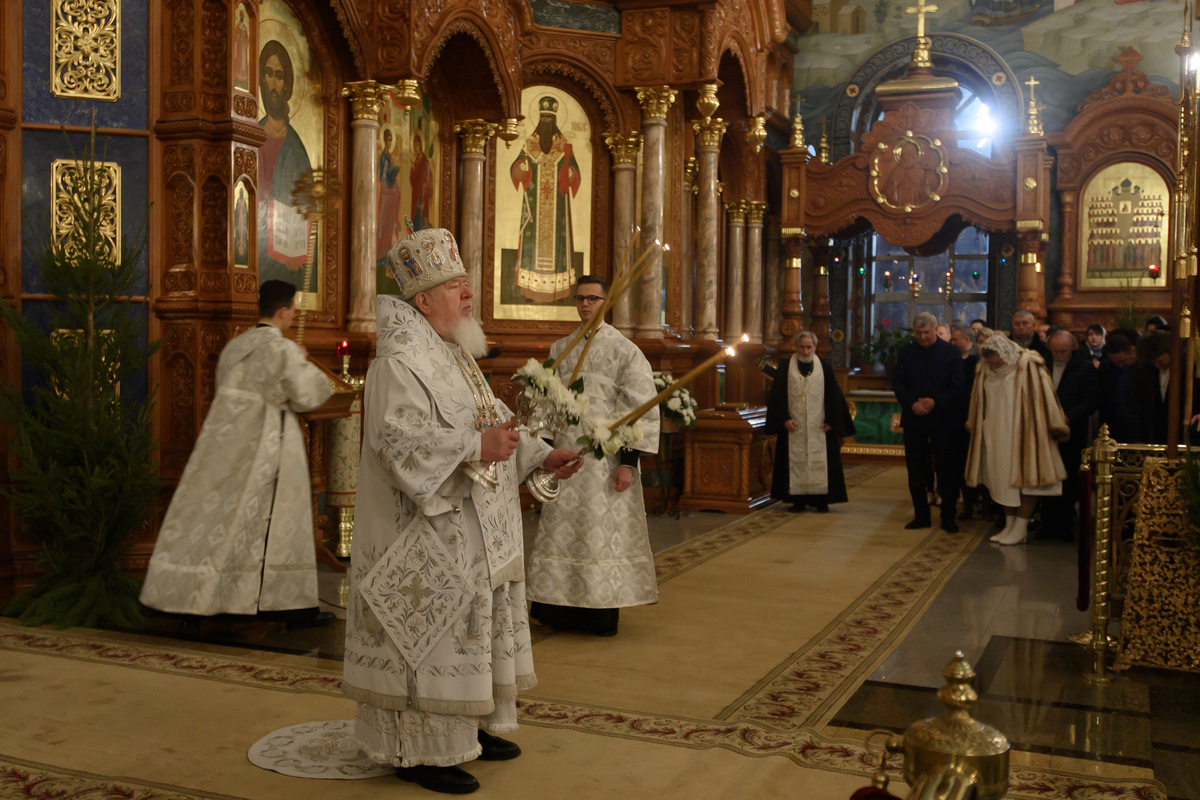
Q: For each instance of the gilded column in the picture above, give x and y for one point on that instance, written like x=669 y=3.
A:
x=687 y=250
x=754 y=269
x=475 y=135
x=366 y=101
x=708 y=148
x=773 y=270
x=735 y=269
x=624 y=147
x=655 y=103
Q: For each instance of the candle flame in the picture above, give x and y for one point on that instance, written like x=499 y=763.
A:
x=658 y=242
x=666 y=247
x=745 y=337
x=730 y=351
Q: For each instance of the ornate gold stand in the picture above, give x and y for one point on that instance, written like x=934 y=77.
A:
x=344 y=446
x=954 y=756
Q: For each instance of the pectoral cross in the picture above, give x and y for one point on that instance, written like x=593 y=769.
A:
x=921 y=9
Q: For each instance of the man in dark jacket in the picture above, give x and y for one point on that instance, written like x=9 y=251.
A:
x=1076 y=385
x=1115 y=378
x=1024 y=332
x=930 y=388
x=809 y=415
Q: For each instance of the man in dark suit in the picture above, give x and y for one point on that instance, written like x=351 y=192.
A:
x=1024 y=332
x=1076 y=385
x=1115 y=378
x=930 y=388
x=963 y=338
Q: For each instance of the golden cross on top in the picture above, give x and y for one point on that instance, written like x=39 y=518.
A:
x=921 y=9
x=1032 y=82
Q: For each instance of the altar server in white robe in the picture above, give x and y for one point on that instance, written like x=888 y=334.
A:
x=1015 y=422
x=238 y=535
x=591 y=556
x=437 y=634
x=808 y=413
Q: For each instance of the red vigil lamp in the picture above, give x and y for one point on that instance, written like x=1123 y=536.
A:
x=343 y=350
x=1155 y=271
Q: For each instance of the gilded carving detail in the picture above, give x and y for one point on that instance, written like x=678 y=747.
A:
x=754 y=212
x=624 y=147
x=655 y=100
x=736 y=212
x=85 y=52
x=709 y=132
x=909 y=172
x=366 y=98
x=475 y=134
x=64 y=182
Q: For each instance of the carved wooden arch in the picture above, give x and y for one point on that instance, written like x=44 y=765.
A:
x=843 y=196
x=736 y=46
x=500 y=47
x=581 y=79
x=600 y=240
x=749 y=29
x=351 y=23
x=1129 y=120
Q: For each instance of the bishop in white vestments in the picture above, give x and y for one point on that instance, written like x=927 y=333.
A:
x=238 y=535
x=591 y=556
x=437 y=634
x=809 y=415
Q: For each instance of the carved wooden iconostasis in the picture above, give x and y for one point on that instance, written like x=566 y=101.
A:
x=1115 y=176
x=233 y=99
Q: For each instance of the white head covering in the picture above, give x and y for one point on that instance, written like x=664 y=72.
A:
x=424 y=259
x=1008 y=350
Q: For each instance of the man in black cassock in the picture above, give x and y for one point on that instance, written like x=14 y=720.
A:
x=808 y=413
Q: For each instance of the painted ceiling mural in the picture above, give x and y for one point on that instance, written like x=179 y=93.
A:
x=1069 y=47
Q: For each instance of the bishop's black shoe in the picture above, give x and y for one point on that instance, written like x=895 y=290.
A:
x=796 y=508
x=496 y=749
x=447 y=780
x=917 y=524
x=949 y=525
x=823 y=508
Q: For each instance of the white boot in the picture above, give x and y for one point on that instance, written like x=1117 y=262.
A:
x=1007 y=529
x=1016 y=534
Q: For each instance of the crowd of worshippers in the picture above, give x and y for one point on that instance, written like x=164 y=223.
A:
x=999 y=419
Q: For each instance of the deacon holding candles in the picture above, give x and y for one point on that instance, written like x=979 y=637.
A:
x=591 y=556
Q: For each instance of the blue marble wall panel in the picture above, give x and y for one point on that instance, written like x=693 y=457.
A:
x=40 y=105
x=42 y=314
x=39 y=149
x=576 y=16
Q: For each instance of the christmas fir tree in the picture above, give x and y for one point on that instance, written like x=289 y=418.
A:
x=85 y=480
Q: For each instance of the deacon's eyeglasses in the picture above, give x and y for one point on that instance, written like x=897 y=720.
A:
x=588 y=298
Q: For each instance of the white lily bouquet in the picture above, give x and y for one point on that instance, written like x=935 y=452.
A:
x=603 y=437
x=680 y=406
x=553 y=404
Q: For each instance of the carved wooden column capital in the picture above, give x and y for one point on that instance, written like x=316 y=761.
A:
x=475 y=134
x=366 y=98
x=755 y=209
x=624 y=147
x=735 y=212
x=656 y=101
x=709 y=132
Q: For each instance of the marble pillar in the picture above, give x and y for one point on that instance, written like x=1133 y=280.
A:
x=655 y=102
x=624 y=147
x=791 y=309
x=773 y=272
x=687 y=251
x=366 y=101
x=476 y=134
x=707 y=235
x=754 y=270
x=735 y=268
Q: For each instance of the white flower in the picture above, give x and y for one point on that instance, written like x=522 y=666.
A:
x=674 y=404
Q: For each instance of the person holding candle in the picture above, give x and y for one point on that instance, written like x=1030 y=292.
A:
x=591 y=556
x=437 y=635
x=808 y=413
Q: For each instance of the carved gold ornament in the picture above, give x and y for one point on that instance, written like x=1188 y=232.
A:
x=1030 y=184
x=624 y=147
x=757 y=133
x=475 y=134
x=64 y=182
x=367 y=98
x=909 y=172
x=709 y=132
x=655 y=100
x=85 y=49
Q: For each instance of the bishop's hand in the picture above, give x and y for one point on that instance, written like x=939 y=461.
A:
x=563 y=463
x=500 y=442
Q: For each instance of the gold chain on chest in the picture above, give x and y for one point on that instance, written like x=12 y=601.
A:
x=488 y=416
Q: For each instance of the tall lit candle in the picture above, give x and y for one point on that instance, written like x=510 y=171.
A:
x=645 y=407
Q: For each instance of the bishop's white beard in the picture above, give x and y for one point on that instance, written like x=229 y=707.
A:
x=468 y=334
x=804 y=359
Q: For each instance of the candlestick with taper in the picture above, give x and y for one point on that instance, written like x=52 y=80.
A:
x=317 y=195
